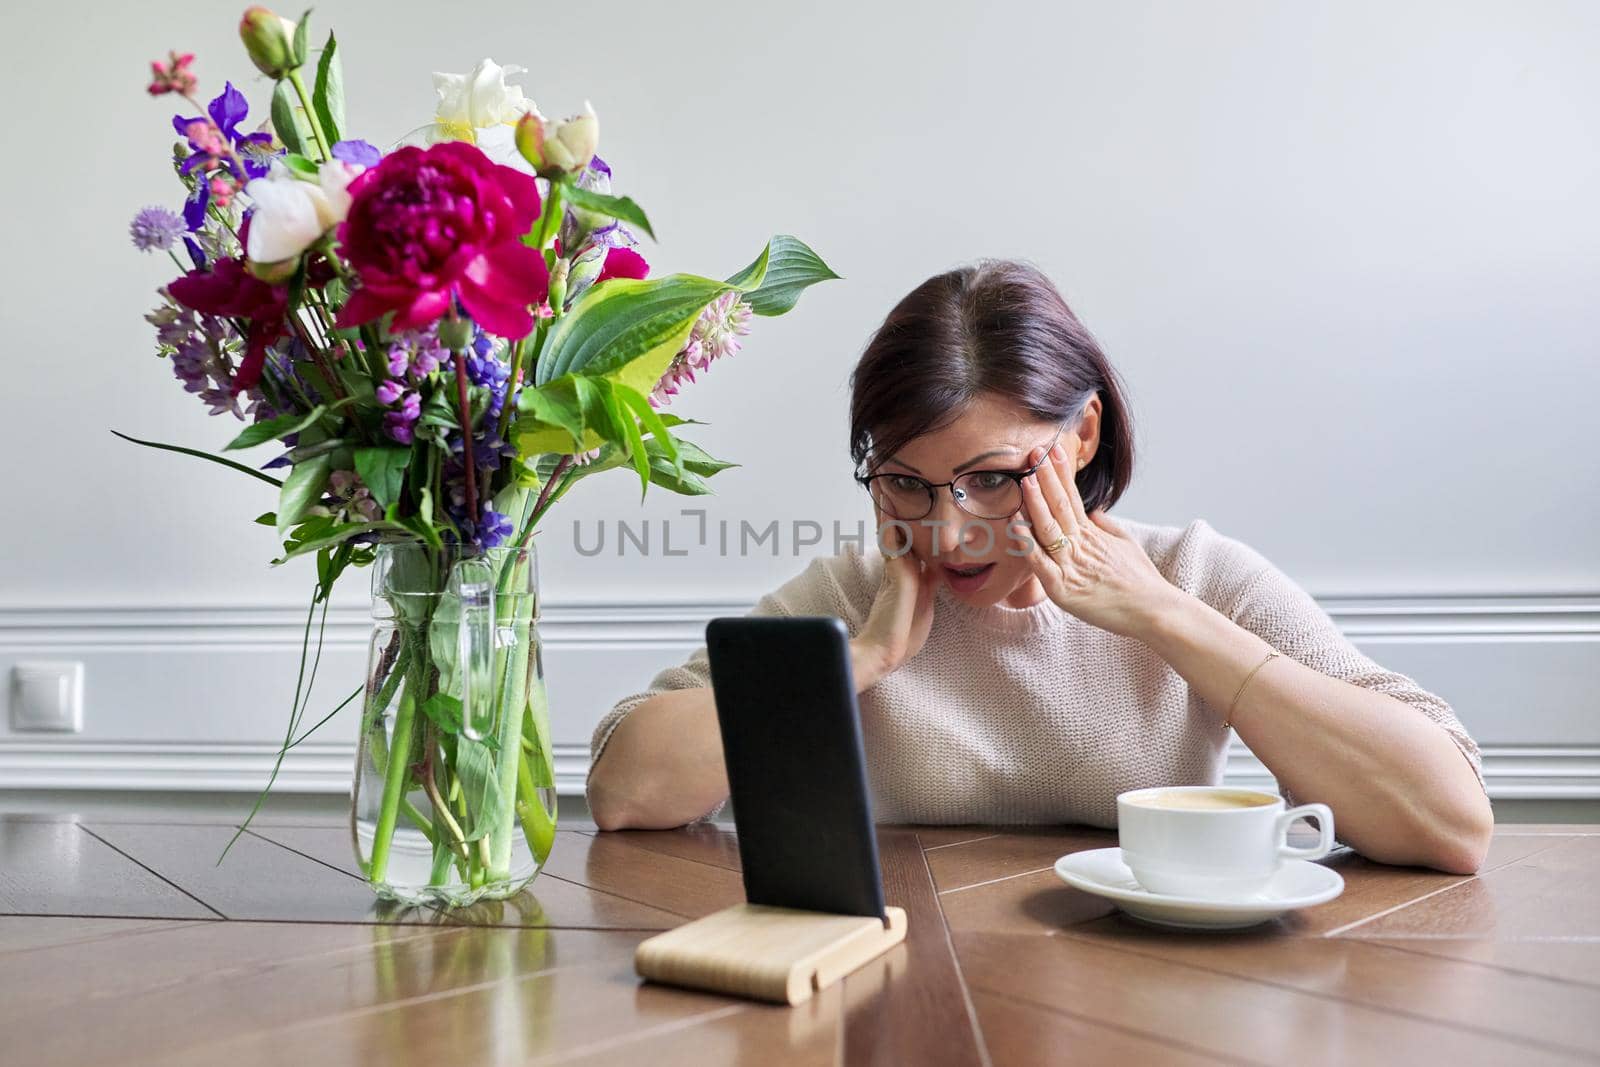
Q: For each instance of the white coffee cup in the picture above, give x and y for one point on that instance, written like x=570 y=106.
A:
x=1211 y=842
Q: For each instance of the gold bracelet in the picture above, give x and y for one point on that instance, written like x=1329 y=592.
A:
x=1227 y=721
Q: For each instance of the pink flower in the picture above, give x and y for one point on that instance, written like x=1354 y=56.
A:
x=430 y=225
x=173 y=76
x=623 y=263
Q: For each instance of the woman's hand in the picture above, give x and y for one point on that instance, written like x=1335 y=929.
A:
x=898 y=624
x=1100 y=574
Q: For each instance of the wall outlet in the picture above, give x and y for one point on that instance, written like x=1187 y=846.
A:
x=47 y=696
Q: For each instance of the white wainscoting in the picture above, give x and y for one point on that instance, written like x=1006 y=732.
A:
x=196 y=697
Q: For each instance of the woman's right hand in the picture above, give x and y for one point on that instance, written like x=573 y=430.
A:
x=901 y=615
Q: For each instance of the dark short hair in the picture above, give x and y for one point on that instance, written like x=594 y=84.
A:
x=998 y=327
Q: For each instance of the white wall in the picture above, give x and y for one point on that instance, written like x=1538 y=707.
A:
x=1345 y=256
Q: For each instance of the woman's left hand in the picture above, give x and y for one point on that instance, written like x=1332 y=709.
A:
x=1100 y=574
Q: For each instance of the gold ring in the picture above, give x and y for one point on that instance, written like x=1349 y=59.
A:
x=1053 y=547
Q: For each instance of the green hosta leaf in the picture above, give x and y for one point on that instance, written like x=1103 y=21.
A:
x=288 y=120
x=627 y=329
x=383 y=469
x=616 y=207
x=328 y=96
x=301 y=489
x=785 y=269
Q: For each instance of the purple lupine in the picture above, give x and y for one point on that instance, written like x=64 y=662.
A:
x=414 y=354
x=401 y=424
x=155 y=229
x=198 y=346
x=490 y=531
x=485 y=369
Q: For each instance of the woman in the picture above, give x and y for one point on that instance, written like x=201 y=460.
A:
x=1087 y=656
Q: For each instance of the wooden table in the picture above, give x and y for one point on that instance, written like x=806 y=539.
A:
x=123 y=942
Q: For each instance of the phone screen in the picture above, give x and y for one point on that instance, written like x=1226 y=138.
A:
x=791 y=738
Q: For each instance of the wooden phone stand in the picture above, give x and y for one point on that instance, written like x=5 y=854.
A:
x=766 y=953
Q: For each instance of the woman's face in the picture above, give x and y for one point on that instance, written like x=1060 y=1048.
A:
x=992 y=434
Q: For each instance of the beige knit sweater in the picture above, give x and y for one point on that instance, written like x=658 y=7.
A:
x=1031 y=715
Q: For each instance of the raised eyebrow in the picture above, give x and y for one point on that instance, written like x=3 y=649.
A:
x=969 y=463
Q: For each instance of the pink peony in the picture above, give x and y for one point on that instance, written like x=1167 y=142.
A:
x=430 y=224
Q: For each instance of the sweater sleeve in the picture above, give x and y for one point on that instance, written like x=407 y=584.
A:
x=1275 y=608
x=829 y=585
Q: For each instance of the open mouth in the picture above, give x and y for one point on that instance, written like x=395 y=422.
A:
x=967 y=578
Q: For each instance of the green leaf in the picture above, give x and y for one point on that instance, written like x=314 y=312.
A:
x=421 y=523
x=287 y=119
x=383 y=469
x=328 y=95
x=300 y=38
x=266 y=518
x=272 y=429
x=790 y=267
x=549 y=221
x=632 y=440
x=695 y=459
x=554 y=405
x=664 y=474
x=203 y=455
x=445 y=711
x=617 y=207
x=640 y=407
x=300 y=166
x=301 y=489
x=627 y=329
x=480 y=787
x=334 y=536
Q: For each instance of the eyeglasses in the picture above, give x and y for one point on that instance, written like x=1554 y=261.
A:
x=982 y=494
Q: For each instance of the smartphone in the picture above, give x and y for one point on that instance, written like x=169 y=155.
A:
x=791 y=738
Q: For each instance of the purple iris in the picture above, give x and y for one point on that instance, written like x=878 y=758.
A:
x=227 y=109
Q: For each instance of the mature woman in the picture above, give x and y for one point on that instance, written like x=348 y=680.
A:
x=1023 y=658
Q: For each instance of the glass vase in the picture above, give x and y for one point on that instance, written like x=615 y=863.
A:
x=454 y=796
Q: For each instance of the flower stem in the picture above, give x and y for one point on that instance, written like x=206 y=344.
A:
x=311 y=113
x=394 y=782
x=468 y=459
x=457 y=837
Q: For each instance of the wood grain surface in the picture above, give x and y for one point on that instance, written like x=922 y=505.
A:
x=124 y=941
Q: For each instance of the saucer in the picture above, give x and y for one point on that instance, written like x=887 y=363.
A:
x=1298 y=884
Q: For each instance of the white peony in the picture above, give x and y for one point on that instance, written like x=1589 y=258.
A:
x=292 y=214
x=567 y=145
x=480 y=99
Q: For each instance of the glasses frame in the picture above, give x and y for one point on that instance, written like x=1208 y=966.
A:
x=933 y=488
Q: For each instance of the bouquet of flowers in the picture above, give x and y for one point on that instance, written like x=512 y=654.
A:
x=442 y=339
